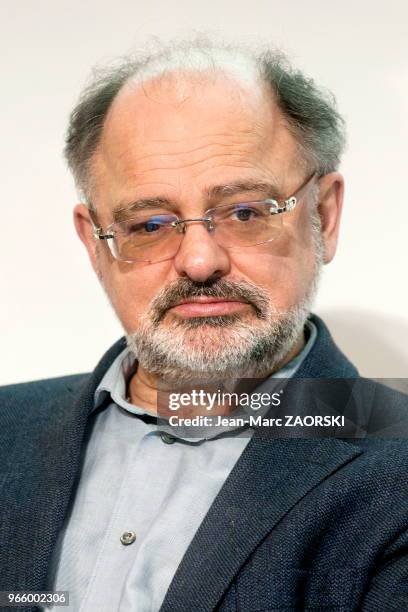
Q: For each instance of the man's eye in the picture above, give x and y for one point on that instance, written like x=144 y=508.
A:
x=244 y=213
x=135 y=228
x=148 y=226
x=151 y=226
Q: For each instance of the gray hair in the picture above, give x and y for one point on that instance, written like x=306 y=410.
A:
x=310 y=111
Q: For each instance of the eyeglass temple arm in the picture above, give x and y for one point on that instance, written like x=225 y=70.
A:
x=290 y=203
x=96 y=228
x=98 y=233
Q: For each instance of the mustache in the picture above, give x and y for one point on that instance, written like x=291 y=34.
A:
x=185 y=288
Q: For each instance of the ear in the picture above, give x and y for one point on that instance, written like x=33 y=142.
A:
x=330 y=207
x=84 y=227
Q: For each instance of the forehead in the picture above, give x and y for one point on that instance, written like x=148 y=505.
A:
x=189 y=128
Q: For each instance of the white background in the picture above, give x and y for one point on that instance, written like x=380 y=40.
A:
x=55 y=319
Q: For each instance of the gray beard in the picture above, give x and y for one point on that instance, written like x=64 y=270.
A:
x=220 y=347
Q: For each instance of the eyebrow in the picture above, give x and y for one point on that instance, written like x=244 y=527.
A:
x=268 y=189
x=125 y=211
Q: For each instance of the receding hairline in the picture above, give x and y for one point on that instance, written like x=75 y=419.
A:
x=309 y=110
x=260 y=93
x=182 y=81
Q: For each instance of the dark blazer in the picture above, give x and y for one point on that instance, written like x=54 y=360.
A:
x=300 y=524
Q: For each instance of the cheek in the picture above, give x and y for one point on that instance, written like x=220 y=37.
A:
x=130 y=290
x=285 y=270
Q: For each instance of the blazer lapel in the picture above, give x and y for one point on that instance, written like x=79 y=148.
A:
x=270 y=477
x=42 y=478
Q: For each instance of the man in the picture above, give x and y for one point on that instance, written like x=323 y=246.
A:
x=211 y=198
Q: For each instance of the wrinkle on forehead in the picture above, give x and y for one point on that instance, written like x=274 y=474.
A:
x=187 y=120
x=181 y=99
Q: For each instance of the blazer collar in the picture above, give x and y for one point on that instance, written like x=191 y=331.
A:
x=45 y=461
x=325 y=359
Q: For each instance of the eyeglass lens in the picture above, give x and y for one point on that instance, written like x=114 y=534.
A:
x=148 y=237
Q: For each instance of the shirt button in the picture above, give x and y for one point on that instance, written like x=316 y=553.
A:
x=128 y=537
x=167 y=438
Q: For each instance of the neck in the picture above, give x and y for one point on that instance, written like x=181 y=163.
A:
x=142 y=389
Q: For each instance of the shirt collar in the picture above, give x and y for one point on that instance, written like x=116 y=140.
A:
x=113 y=384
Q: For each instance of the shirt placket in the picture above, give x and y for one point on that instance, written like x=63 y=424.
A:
x=119 y=546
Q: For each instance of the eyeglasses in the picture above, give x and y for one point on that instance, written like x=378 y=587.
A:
x=152 y=238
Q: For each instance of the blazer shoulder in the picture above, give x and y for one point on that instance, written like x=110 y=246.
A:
x=42 y=385
x=28 y=395
x=386 y=409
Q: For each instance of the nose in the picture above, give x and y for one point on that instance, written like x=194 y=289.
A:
x=199 y=256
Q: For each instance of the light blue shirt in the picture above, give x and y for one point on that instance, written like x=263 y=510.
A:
x=136 y=487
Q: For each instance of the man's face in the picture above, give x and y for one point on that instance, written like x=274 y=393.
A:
x=176 y=142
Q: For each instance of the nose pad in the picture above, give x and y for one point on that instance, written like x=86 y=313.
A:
x=210 y=224
x=181 y=225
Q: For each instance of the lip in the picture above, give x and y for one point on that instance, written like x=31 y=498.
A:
x=207 y=306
